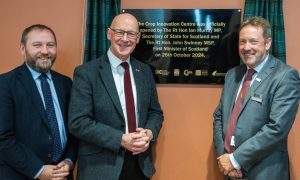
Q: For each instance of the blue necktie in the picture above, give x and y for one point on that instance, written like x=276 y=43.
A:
x=52 y=120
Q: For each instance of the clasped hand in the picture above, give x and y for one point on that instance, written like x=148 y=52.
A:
x=137 y=142
x=56 y=172
x=227 y=168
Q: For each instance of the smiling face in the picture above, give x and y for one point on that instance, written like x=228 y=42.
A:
x=39 y=50
x=253 y=47
x=122 y=46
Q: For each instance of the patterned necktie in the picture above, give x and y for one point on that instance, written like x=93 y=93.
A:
x=130 y=109
x=236 y=111
x=52 y=120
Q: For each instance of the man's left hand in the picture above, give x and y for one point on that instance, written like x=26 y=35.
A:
x=62 y=170
x=225 y=164
x=141 y=140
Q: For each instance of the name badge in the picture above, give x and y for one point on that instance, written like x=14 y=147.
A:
x=257 y=97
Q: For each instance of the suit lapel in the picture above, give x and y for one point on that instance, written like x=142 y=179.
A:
x=260 y=78
x=105 y=73
x=235 y=86
x=60 y=92
x=136 y=70
x=30 y=87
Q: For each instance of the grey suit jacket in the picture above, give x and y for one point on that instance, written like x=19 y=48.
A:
x=265 y=120
x=96 y=118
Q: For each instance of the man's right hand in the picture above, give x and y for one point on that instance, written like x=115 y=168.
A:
x=50 y=173
x=137 y=142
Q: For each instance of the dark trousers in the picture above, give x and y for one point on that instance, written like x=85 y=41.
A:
x=131 y=169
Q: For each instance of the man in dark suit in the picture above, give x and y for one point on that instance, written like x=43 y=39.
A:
x=261 y=118
x=115 y=140
x=30 y=148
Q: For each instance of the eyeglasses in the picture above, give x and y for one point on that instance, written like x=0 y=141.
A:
x=120 y=33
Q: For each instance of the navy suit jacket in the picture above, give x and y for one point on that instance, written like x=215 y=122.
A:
x=264 y=123
x=25 y=136
x=96 y=118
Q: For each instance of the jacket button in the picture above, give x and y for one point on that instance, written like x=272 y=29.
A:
x=50 y=138
x=49 y=155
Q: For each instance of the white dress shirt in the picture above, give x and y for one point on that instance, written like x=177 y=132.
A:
x=118 y=75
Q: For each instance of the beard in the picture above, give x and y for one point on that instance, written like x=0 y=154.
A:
x=40 y=63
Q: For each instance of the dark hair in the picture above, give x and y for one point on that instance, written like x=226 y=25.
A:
x=257 y=21
x=34 y=27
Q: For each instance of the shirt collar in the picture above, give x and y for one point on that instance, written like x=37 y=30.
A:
x=261 y=65
x=114 y=60
x=36 y=74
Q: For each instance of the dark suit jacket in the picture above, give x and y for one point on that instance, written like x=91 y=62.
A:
x=25 y=136
x=96 y=118
x=265 y=120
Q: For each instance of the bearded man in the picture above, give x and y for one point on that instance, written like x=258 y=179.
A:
x=34 y=141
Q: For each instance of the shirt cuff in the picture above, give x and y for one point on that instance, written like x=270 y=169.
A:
x=71 y=163
x=235 y=164
x=39 y=172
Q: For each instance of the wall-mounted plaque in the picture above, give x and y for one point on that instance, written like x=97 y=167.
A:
x=188 y=45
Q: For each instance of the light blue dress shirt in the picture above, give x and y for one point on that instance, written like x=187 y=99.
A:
x=59 y=117
x=235 y=164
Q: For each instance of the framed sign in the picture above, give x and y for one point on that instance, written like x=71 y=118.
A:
x=195 y=46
